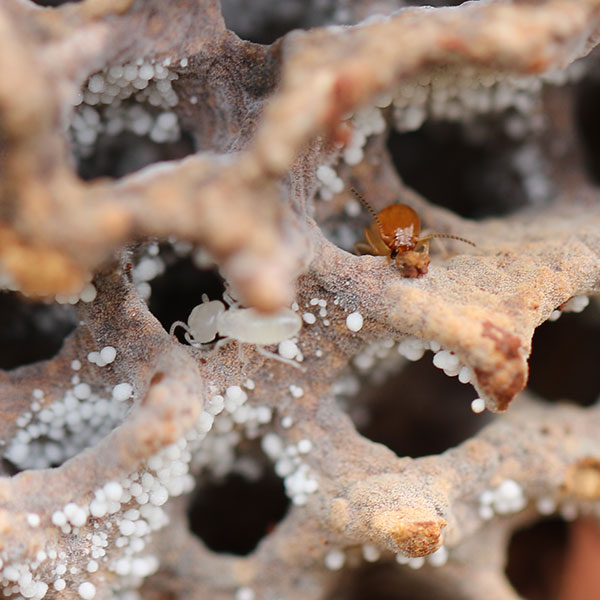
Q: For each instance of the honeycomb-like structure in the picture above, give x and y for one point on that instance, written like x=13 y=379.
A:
x=152 y=160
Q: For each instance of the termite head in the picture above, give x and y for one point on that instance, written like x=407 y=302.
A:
x=399 y=227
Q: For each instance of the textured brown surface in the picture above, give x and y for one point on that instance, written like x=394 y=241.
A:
x=263 y=119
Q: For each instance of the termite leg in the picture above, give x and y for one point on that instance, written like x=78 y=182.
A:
x=287 y=361
x=177 y=324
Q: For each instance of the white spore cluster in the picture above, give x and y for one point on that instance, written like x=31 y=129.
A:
x=506 y=499
x=50 y=433
x=135 y=97
x=298 y=480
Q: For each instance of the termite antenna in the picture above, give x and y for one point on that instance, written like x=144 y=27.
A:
x=447 y=236
x=364 y=202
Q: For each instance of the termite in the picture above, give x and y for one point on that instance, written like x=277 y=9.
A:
x=245 y=325
x=394 y=232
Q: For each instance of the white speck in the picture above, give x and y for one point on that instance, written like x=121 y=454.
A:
x=411 y=348
x=370 y=553
x=335 y=559
x=183 y=62
x=59 y=584
x=215 y=405
x=486 y=512
x=354 y=321
x=508 y=498
x=88 y=294
x=82 y=391
x=249 y=384
x=569 y=512
x=546 y=505
x=576 y=303
x=113 y=490
x=272 y=445
x=33 y=519
x=87 y=590
x=465 y=375
x=309 y=318
x=245 y=593
x=122 y=391
x=439 y=558
x=352 y=208
x=146 y=71
x=98 y=508
x=287 y=422
x=478 y=405
x=130 y=72
x=76 y=515
x=11 y=573
x=126 y=527
x=416 y=563
x=304 y=446
x=205 y=422
x=296 y=391
x=235 y=397
x=75 y=365
x=159 y=497
x=486 y=497
x=59 y=519
x=445 y=359
x=288 y=349
x=92 y=566
x=263 y=414
x=510 y=489
x=435 y=346
x=108 y=354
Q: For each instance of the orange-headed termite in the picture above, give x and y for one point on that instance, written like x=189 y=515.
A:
x=394 y=232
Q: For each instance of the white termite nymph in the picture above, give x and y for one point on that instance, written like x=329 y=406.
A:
x=245 y=325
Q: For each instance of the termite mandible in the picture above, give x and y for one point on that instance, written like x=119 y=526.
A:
x=394 y=232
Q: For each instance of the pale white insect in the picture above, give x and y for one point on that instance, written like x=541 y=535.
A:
x=245 y=325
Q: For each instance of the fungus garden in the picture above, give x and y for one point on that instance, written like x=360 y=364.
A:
x=299 y=299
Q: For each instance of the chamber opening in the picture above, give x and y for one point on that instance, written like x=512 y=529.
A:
x=51 y=3
x=31 y=331
x=587 y=119
x=122 y=154
x=264 y=21
x=564 y=358
x=388 y=581
x=475 y=178
x=234 y=513
x=420 y=411
x=536 y=559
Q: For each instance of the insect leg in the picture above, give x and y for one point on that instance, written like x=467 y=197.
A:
x=287 y=361
x=177 y=324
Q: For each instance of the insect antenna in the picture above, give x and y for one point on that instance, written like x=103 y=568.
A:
x=364 y=202
x=447 y=236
